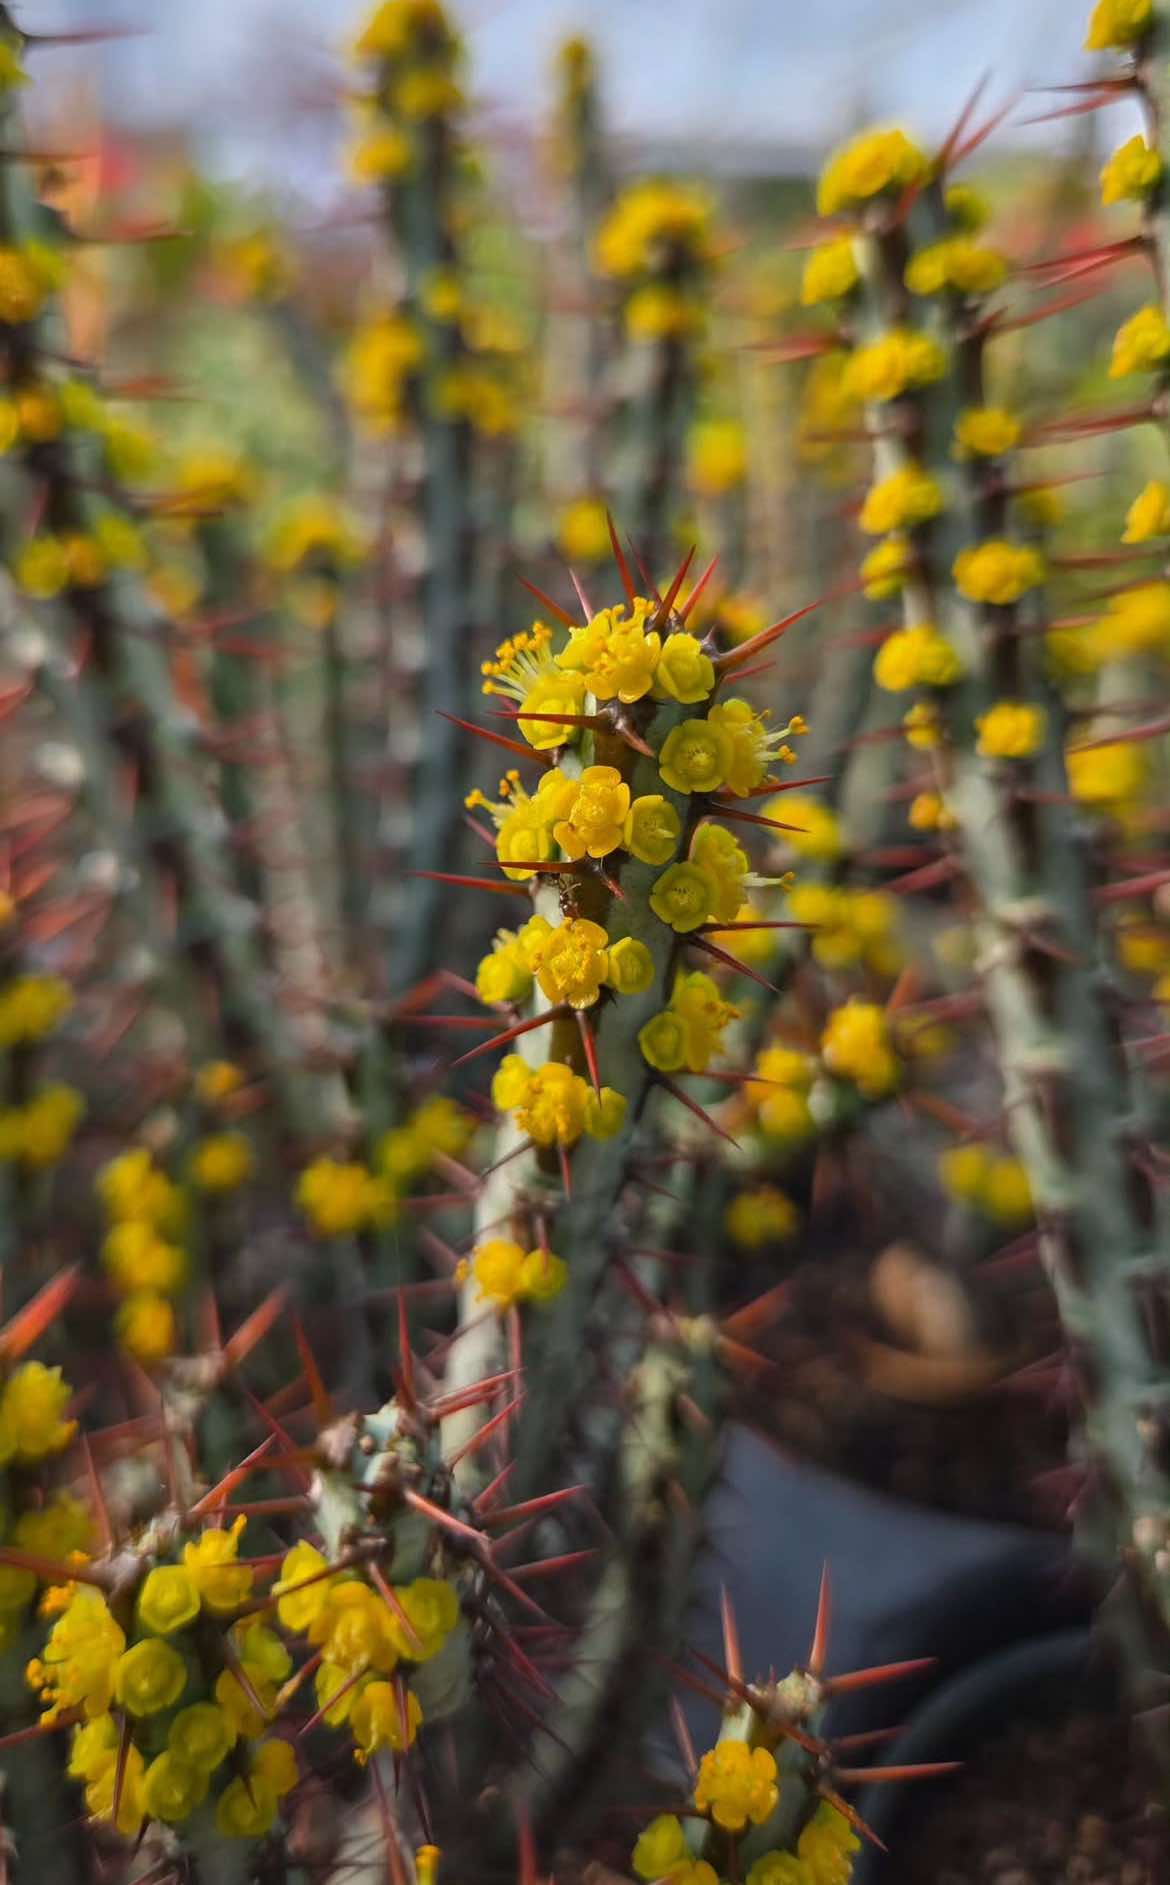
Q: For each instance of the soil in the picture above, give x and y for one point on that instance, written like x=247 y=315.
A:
x=1070 y=1803
x=976 y=1433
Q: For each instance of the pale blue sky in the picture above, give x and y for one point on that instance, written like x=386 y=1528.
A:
x=775 y=70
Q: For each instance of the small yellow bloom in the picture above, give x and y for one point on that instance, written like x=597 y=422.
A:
x=340 y=1198
x=856 y=1045
x=41 y=567
x=1006 y=1193
x=884 y=570
x=582 y=531
x=377 y=1720
x=651 y=224
x=31 y=1007
x=660 y=1849
x=959 y=263
x=890 y=366
x=1149 y=514
x=379 y=155
x=31 y=1408
x=217 y=1080
x=682 y=897
x=39 y=1133
x=997 y=571
x=595 y=823
x=652 y=828
x=1131 y=173
x=1116 y=24
x=1107 y=777
x=543 y=1275
x=1141 y=343
x=145 y=1326
x=759 y=1217
x=222 y=1162
x=664 y=1041
x=138 y=1259
x=909 y=496
x=1012 y=729
x=246 y=1809
x=929 y=812
x=149 y=1677
x=303 y=1587
x=717 y=457
x=915 y=657
x=604 y=1113
x=631 y=966
x=985 y=432
x=172 y=1788
x=724 y=863
x=223 y=1584
x=201 y=1736
x=869 y=165
x=830 y=272
x=922 y=726
x=685 y=671
x=496 y=1267
x=736 y=1784
x=168 y=1599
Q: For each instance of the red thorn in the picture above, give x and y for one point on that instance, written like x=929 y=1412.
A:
x=729 y=961
x=667 y=603
x=497 y=739
x=512 y=1034
x=878 y=1776
x=30 y=1323
x=322 y=1406
x=676 y=1092
x=483 y=1434
x=471 y=883
x=882 y=1672
x=736 y=657
x=227 y=1485
x=547 y=602
x=589 y=1047
x=732 y=1654
x=820 y=1637
x=405 y=1357
x=620 y=560
x=587 y=609
x=696 y=592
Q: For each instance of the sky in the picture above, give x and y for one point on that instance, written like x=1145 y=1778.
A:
x=776 y=71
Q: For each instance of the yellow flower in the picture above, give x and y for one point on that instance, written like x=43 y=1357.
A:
x=172 y=1788
x=39 y=1133
x=888 y=367
x=145 y=1326
x=759 y=1217
x=816 y=830
x=381 y=362
x=921 y=725
x=101 y=1791
x=575 y=962
x=377 y=1721
x=138 y=1259
x=915 y=657
x=583 y=532
x=652 y=827
x=752 y=945
x=223 y=1584
x=596 y=821
x=339 y=1198
x=1116 y=24
x=275 y=1763
x=1141 y=343
x=503 y=975
x=131 y=1186
x=30 y=1008
x=985 y=432
x=379 y=155
x=963 y=1170
x=38 y=414
x=1106 y=777
x=736 y=1784
x=1137 y=621
x=884 y=570
x=217 y=1080
x=682 y=897
x=997 y=571
x=1006 y=1193
x=31 y=1406
x=664 y=1041
x=431 y=1608
x=724 y=862
x=1131 y=173
x=93 y=1748
x=631 y=966
x=201 y=1736
x=717 y=458
x=22 y=288
x=246 y=1809
x=79 y=1657
x=222 y=1162
x=616 y=653
x=149 y=1677
x=909 y=496
x=650 y=224
x=168 y=1599
x=959 y=262
x=660 y=1849
x=303 y=1566
x=874 y=162
x=830 y=272
x=1149 y=514
x=605 y=1112
x=549 y=1102
x=695 y=757
x=685 y=672
x=855 y=1044
x=496 y=1267
x=543 y=1275
x=1012 y=729
x=928 y=812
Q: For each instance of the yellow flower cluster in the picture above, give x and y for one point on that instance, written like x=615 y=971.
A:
x=315 y=530
x=256 y=265
x=439 y=1128
x=824 y=1854
x=688 y=1033
x=857 y=1045
x=815 y=829
x=884 y=570
x=506 y=1274
x=886 y=368
x=216 y=1081
x=849 y=926
x=929 y=812
x=58 y=1530
x=28 y=276
x=651 y=226
x=916 y=657
x=736 y=1785
x=1011 y=729
x=830 y=272
x=582 y=531
x=1131 y=173
x=732 y=750
x=985 y=432
x=1140 y=344
x=709 y=883
x=146 y=1214
x=1117 y=24
x=620 y=658
x=39 y=1133
x=222 y=1162
x=341 y=1197
x=909 y=496
x=765 y=1215
x=31 y=1007
x=993 y=1182
x=32 y=1403
x=212 y=478
x=870 y=165
x=778 y=1094
x=662 y=1853
x=958 y=263
x=1149 y=514
x=997 y=571
x=572 y=963
x=1107 y=778
x=553 y=1105
x=381 y=363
